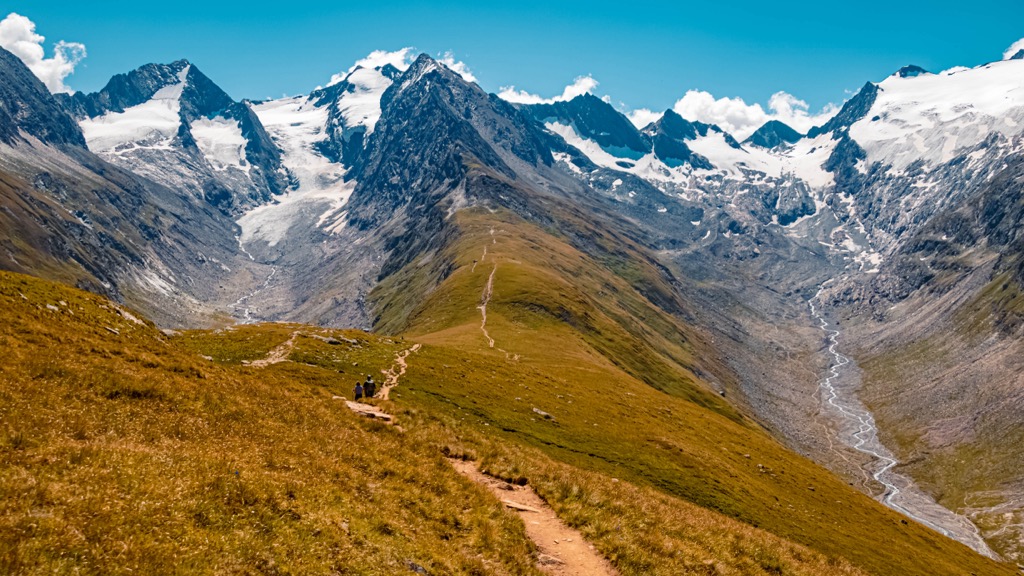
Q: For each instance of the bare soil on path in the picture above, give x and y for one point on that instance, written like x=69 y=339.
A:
x=278 y=354
x=391 y=376
x=396 y=371
x=563 y=551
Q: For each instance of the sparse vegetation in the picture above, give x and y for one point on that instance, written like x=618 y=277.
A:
x=920 y=386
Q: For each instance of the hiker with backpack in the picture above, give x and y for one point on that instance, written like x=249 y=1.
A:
x=371 y=387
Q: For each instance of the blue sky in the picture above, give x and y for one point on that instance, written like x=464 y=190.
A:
x=645 y=54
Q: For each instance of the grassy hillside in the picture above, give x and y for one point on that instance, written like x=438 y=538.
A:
x=616 y=375
x=31 y=219
x=125 y=449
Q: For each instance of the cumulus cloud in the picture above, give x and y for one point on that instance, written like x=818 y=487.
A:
x=1013 y=49
x=18 y=35
x=740 y=119
x=458 y=67
x=400 y=59
x=641 y=117
x=582 y=85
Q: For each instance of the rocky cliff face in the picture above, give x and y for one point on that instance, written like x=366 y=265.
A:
x=28 y=109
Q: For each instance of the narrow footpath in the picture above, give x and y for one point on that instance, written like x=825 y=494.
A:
x=278 y=354
x=391 y=376
x=485 y=299
x=563 y=551
x=397 y=370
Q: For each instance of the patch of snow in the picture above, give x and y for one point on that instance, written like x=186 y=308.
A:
x=154 y=122
x=361 y=106
x=933 y=117
x=652 y=169
x=715 y=148
x=592 y=149
x=567 y=160
x=221 y=141
x=296 y=125
x=806 y=159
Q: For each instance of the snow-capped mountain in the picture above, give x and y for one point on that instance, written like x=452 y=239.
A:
x=67 y=213
x=875 y=166
x=173 y=124
x=914 y=144
x=320 y=136
x=309 y=166
x=773 y=134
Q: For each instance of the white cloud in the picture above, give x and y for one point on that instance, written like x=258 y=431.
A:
x=582 y=85
x=18 y=35
x=740 y=119
x=400 y=59
x=641 y=117
x=459 y=67
x=1013 y=49
x=732 y=114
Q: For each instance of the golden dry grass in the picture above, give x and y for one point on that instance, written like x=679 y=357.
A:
x=123 y=450
x=128 y=452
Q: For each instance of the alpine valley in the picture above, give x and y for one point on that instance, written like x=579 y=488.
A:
x=787 y=354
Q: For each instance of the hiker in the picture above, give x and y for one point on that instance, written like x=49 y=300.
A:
x=371 y=386
x=359 y=390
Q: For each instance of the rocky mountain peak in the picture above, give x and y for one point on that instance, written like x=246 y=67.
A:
x=444 y=127
x=853 y=110
x=911 y=71
x=129 y=89
x=26 y=106
x=594 y=119
x=172 y=123
x=773 y=134
x=674 y=125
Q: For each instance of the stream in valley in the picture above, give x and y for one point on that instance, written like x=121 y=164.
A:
x=856 y=429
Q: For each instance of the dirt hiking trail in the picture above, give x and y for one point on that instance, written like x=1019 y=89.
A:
x=278 y=354
x=391 y=376
x=563 y=551
x=397 y=370
x=485 y=299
